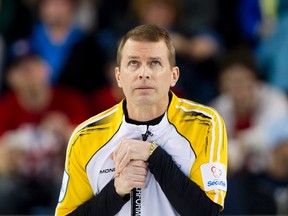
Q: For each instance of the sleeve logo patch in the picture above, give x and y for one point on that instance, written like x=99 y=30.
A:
x=214 y=176
x=63 y=186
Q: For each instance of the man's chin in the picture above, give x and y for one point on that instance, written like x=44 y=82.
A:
x=144 y=99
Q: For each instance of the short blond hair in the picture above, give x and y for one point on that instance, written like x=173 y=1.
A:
x=151 y=33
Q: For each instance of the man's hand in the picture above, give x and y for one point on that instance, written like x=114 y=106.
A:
x=132 y=176
x=128 y=150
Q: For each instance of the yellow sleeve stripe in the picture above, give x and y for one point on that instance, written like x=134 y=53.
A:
x=210 y=113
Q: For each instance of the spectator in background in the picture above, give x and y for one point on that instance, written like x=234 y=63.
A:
x=249 y=107
x=248 y=104
x=265 y=25
x=35 y=123
x=71 y=52
x=258 y=19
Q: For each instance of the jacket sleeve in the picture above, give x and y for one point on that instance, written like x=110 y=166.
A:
x=203 y=191
x=184 y=195
x=76 y=195
x=107 y=202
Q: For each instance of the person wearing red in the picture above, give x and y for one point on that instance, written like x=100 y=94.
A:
x=36 y=121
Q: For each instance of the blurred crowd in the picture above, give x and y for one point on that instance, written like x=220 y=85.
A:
x=57 y=60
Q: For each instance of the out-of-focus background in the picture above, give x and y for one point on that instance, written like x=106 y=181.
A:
x=57 y=60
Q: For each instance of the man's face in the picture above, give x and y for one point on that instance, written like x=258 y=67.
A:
x=145 y=73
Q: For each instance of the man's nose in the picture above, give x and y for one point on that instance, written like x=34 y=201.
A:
x=144 y=72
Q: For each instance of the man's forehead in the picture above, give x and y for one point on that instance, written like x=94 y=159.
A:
x=144 y=43
x=135 y=49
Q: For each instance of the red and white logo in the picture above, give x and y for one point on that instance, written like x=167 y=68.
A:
x=214 y=176
x=216 y=172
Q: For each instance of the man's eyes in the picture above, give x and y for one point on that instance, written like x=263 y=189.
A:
x=137 y=63
x=155 y=62
x=133 y=62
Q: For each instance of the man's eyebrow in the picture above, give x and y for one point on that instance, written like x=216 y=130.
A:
x=133 y=57
x=150 y=58
x=155 y=58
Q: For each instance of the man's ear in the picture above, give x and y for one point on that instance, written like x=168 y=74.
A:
x=174 y=76
x=117 y=76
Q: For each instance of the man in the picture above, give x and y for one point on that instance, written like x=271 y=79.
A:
x=170 y=152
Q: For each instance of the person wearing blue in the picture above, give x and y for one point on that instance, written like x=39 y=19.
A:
x=264 y=23
x=71 y=52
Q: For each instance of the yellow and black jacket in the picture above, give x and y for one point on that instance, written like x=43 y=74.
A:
x=187 y=172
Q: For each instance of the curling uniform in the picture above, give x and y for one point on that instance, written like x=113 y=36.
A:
x=187 y=172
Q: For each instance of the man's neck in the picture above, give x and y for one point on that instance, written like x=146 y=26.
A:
x=145 y=113
x=154 y=121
